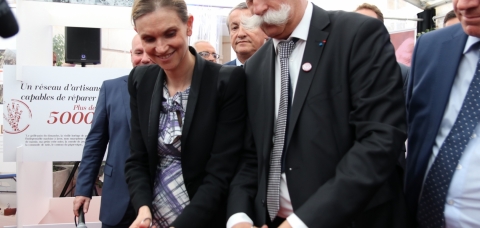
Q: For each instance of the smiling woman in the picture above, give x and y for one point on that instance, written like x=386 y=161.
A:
x=186 y=125
x=164 y=34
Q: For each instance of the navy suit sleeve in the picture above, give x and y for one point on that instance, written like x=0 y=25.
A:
x=95 y=147
x=231 y=63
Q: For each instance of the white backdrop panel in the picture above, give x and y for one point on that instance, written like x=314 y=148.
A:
x=51 y=110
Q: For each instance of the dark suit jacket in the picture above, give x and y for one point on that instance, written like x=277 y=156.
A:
x=110 y=125
x=231 y=63
x=434 y=66
x=405 y=71
x=212 y=138
x=346 y=128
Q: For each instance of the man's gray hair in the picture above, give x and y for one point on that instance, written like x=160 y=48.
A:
x=240 y=6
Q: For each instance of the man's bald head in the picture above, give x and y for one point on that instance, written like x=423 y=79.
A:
x=137 y=54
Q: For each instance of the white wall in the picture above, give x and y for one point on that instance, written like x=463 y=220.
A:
x=36 y=20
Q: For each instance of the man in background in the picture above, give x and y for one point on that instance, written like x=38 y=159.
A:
x=245 y=42
x=442 y=181
x=206 y=50
x=450 y=19
x=370 y=10
x=137 y=54
x=373 y=11
x=110 y=125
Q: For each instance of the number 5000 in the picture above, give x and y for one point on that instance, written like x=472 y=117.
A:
x=67 y=117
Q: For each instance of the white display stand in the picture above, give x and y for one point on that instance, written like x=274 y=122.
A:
x=35 y=205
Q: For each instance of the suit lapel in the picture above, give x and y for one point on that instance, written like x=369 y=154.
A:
x=193 y=95
x=126 y=100
x=267 y=102
x=448 y=60
x=155 y=108
x=451 y=48
x=312 y=54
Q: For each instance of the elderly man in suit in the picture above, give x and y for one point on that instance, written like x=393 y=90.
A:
x=443 y=99
x=326 y=122
x=245 y=42
x=110 y=125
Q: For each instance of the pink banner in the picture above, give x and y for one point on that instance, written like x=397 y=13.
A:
x=404 y=43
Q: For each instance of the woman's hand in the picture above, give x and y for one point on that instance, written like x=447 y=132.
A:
x=144 y=218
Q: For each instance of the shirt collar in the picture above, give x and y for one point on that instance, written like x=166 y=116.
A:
x=470 y=42
x=301 y=31
x=238 y=63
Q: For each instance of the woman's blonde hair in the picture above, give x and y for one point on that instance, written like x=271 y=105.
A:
x=143 y=7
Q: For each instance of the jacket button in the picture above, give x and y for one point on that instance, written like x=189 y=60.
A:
x=263 y=202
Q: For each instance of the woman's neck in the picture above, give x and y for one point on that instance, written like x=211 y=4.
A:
x=180 y=78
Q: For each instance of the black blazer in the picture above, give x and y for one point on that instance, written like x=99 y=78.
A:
x=345 y=133
x=211 y=138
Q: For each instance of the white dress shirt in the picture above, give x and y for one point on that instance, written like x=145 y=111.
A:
x=238 y=63
x=462 y=207
x=295 y=64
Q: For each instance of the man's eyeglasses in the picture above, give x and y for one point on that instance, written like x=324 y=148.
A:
x=206 y=54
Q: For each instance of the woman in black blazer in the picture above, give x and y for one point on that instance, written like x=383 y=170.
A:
x=187 y=124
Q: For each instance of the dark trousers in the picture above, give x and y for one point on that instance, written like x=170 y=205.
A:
x=277 y=221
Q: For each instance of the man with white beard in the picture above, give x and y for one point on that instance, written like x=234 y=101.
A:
x=326 y=122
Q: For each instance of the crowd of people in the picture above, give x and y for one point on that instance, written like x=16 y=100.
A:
x=305 y=128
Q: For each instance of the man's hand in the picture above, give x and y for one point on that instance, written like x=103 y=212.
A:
x=144 y=218
x=243 y=225
x=79 y=201
x=285 y=225
x=246 y=225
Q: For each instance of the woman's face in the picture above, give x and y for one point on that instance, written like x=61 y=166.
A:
x=164 y=37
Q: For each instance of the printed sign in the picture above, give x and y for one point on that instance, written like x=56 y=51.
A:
x=50 y=112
